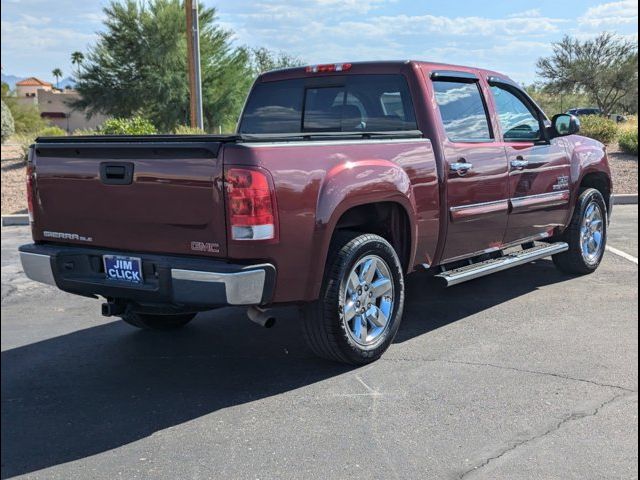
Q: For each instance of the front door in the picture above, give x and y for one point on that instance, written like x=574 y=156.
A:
x=539 y=169
x=476 y=170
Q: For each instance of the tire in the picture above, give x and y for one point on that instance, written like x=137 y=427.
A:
x=157 y=322
x=586 y=235
x=330 y=323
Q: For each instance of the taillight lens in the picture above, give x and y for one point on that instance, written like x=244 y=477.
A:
x=30 y=178
x=250 y=204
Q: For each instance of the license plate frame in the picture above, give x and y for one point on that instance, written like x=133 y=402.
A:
x=123 y=268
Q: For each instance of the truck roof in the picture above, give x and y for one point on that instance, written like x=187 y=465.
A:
x=373 y=67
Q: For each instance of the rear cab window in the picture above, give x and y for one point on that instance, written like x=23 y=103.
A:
x=463 y=110
x=349 y=103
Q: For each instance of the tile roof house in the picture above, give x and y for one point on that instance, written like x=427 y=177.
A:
x=29 y=87
x=55 y=104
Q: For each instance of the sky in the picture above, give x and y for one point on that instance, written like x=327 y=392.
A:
x=508 y=36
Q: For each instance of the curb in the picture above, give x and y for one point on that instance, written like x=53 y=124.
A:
x=625 y=199
x=11 y=220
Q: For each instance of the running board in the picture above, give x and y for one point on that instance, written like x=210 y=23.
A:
x=480 y=269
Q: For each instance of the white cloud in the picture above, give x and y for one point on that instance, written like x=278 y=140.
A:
x=611 y=14
x=361 y=6
x=534 y=12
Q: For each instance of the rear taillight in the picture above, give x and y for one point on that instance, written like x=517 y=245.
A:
x=250 y=204
x=30 y=179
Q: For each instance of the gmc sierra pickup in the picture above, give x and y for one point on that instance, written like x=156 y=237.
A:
x=340 y=180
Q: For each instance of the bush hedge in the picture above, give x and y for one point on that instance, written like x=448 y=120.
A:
x=598 y=128
x=628 y=142
x=187 y=130
x=128 y=126
x=52 y=131
x=85 y=132
x=8 y=127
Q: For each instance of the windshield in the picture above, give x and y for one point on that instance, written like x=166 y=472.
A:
x=350 y=103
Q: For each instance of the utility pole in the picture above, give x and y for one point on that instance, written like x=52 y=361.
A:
x=193 y=52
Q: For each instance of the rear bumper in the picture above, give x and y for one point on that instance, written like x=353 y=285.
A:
x=189 y=282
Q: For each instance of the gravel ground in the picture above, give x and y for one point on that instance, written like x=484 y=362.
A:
x=624 y=167
x=13 y=187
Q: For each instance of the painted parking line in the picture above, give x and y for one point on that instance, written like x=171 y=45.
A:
x=622 y=254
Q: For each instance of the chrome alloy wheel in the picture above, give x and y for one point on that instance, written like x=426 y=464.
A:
x=592 y=233
x=366 y=301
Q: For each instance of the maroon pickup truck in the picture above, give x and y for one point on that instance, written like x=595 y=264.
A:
x=340 y=180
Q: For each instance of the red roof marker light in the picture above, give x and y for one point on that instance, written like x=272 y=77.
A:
x=329 y=67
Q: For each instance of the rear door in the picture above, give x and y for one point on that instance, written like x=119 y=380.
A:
x=539 y=168
x=476 y=167
x=136 y=196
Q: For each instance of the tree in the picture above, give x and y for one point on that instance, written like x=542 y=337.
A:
x=263 y=60
x=76 y=59
x=8 y=128
x=139 y=66
x=553 y=103
x=57 y=73
x=605 y=68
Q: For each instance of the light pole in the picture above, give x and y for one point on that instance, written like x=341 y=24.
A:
x=193 y=52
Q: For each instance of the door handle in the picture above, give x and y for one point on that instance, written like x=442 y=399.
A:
x=460 y=167
x=519 y=163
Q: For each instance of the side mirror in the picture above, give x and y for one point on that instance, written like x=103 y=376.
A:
x=565 y=124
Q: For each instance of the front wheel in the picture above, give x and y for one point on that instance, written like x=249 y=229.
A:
x=586 y=235
x=360 y=307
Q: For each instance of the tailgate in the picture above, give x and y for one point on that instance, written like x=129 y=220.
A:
x=140 y=196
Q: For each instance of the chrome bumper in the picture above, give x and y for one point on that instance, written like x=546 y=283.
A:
x=38 y=267
x=184 y=281
x=241 y=288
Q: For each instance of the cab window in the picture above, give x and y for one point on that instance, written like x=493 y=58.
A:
x=463 y=111
x=519 y=121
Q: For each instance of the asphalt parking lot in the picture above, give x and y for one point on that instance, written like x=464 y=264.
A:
x=525 y=374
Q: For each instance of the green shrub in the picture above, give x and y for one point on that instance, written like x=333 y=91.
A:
x=187 y=130
x=26 y=118
x=85 y=132
x=628 y=142
x=128 y=126
x=598 y=128
x=52 y=131
x=8 y=127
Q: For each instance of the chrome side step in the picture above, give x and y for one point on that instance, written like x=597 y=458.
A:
x=480 y=269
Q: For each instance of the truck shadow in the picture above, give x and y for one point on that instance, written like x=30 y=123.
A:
x=93 y=390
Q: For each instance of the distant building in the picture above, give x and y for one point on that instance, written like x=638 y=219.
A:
x=28 y=88
x=54 y=105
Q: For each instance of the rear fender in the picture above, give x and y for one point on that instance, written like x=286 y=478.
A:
x=352 y=184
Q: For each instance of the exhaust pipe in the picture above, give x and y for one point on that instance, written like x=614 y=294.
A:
x=111 y=309
x=261 y=316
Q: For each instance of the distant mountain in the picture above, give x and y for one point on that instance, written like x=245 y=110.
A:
x=67 y=82
x=11 y=80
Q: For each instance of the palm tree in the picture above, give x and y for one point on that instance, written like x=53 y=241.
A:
x=76 y=59
x=57 y=73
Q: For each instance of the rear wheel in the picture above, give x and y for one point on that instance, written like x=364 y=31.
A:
x=360 y=308
x=586 y=235
x=157 y=322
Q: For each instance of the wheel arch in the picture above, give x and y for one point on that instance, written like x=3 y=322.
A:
x=390 y=218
